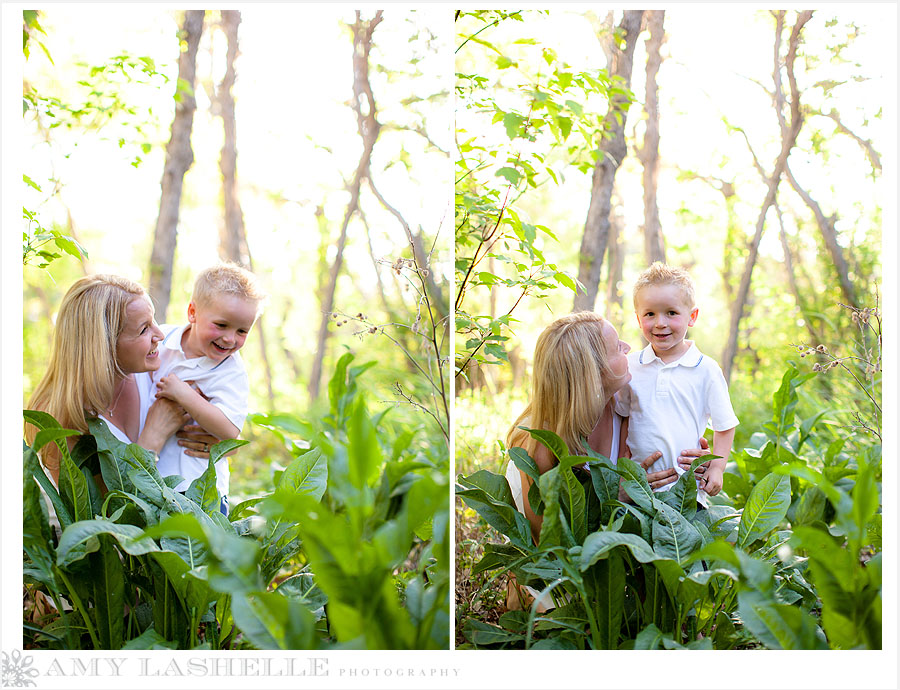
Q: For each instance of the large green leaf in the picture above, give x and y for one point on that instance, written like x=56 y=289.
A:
x=203 y=489
x=363 y=450
x=844 y=586
x=605 y=585
x=307 y=475
x=778 y=626
x=605 y=480
x=673 y=536
x=271 y=621
x=866 y=500
x=599 y=544
x=573 y=498
x=232 y=560
x=683 y=494
x=479 y=633
x=80 y=538
x=150 y=512
x=219 y=450
x=36 y=471
x=635 y=484
x=73 y=489
x=489 y=495
x=303 y=588
x=766 y=507
x=551 y=441
x=111 y=452
x=650 y=637
x=555 y=530
x=36 y=528
x=108 y=581
x=524 y=462
x=45 y=436
x=497 y=556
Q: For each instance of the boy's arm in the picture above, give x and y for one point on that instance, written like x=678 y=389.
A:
x=714 y=476
x=207 y=415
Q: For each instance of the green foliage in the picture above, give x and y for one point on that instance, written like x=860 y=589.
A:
x=526 y=116
x=348 y=548
x=788 y=557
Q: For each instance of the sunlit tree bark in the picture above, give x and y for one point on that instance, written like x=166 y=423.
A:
x=648 y=153
x=611 y=152
x=367 y=124
x=233 y=244
x=615 y=310
x=179 y=157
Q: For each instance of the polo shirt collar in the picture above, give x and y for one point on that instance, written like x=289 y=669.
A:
x=173 y=342
x=689 y=359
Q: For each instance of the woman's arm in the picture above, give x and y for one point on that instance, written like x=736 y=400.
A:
x=655 y=479
x=164 y=418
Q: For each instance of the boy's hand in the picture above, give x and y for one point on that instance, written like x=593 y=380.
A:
x=173 y=388
x=713 y=480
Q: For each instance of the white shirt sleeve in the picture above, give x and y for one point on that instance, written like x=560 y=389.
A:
x=228 y=388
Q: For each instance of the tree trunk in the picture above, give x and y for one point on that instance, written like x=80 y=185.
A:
x=615 y=312
x=648 y=154
x=788 y=138
x=233 y=244
x=826 y=227
x=609 y=156
x=364 y=105
x=179 y=158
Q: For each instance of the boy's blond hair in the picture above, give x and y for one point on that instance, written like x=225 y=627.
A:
x=230 y=279
x=663 y=274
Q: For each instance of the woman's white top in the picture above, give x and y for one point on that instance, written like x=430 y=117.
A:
x=514 y=477
x=144 y=385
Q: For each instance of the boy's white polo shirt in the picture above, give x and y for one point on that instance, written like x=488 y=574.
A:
x=226 y=386
x=672 y=403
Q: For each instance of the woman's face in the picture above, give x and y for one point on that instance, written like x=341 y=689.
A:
x=136 y=348
x=616 y=351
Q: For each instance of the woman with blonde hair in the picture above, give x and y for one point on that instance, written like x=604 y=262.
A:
x=104 y=344
x=580 y=365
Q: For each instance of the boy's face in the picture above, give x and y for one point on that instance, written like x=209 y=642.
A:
x=664 y=318
x=219 y=327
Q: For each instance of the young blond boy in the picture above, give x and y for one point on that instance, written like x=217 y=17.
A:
x=675 y=389
x=201 y=370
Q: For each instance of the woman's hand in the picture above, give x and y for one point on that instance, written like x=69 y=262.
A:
x=164 y=418
x=197 y=442
x=655 y=479
x=688 y=456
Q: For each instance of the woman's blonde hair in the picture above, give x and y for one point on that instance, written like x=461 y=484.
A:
x=570 y=380
x=81 y=374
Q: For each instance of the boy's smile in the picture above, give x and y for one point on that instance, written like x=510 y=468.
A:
x=219 y=328
x=664 y=318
